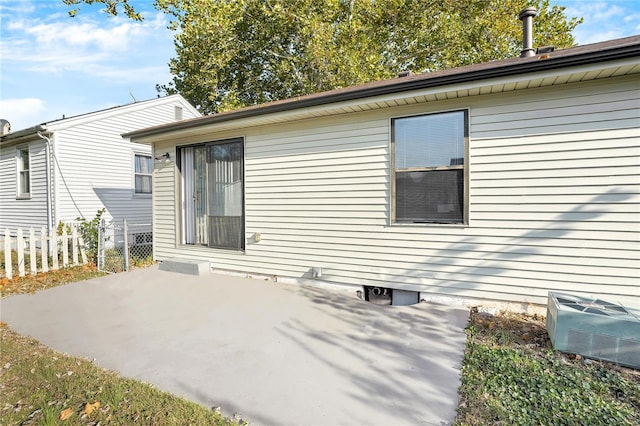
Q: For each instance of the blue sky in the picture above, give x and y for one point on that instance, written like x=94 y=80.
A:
x=53 y=65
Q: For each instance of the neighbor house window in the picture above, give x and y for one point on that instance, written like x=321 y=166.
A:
x=23 y=168
x=212 y=194
x=429 y=161
x=143 y=169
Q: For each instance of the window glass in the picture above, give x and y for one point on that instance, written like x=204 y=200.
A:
x=24 y=179
x=213 y=194
x=429 y=152
x=429 y=140
x=225 y=194
x=430 y=196
x=143 y=171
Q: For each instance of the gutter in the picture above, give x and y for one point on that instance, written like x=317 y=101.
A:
x=421 y=81
x=17 y=137
x=27 y=135
x=48 y=146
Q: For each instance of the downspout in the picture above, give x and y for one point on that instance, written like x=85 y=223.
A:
x=48 y=180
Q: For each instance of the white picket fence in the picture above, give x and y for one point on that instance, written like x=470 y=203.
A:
x=42 y=246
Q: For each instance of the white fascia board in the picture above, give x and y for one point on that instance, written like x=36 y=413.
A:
x=497 y=84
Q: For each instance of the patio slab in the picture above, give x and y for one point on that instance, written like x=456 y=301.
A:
x=273 y=353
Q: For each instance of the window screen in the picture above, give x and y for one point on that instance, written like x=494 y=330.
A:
x=24 y=178
x=429 y=161
x=143 y=171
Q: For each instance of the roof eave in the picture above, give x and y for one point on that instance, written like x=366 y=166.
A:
x=22 y=135
x=530 y=65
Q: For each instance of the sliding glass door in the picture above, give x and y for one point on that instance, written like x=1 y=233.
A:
x=225 y=195
x=213 y=194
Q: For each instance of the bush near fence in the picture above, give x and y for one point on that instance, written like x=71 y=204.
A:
x=39 y=253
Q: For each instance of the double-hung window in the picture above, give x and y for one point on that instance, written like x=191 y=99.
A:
x=212 y=194
x=142 y=174
x=23 y=166
x=429 y=168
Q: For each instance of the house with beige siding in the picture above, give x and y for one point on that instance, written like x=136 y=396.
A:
x=491 y=183
x=72 y=167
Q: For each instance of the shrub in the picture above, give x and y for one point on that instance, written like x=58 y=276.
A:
x=90 y=230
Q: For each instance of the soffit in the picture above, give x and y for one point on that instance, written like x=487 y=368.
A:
x=440 y=93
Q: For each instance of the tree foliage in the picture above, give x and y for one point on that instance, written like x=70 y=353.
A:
x=233 y=53
x=110 y=7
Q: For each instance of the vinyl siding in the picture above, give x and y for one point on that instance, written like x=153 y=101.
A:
x=554 y=200
x=23 y=213
x=97 y=164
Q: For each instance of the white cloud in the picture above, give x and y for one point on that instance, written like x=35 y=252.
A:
x=80 y=45
x=87 y=35
x=54 y=65
x=21 y=113
x=16 y=7
x=597 y=36
x=602 y=20
x=595 y=11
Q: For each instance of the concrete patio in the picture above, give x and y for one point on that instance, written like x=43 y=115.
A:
x=276 y=354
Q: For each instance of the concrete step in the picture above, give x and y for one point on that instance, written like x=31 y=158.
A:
x=185 y=266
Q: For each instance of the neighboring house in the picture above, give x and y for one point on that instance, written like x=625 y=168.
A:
x=72 y=167
x=496 y=182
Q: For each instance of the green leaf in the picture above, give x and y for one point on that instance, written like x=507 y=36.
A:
x=234 y=53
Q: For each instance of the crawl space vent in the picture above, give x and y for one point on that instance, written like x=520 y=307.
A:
x=594 y=328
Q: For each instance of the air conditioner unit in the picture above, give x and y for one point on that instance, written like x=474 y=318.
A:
x=594 y=328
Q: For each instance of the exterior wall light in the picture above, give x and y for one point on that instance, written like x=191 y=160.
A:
x=166 y=157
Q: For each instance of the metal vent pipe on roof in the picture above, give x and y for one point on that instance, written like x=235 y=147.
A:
x=526 y=16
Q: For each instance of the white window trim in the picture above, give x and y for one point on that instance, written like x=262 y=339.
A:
x=23 y=195
x=134 y=174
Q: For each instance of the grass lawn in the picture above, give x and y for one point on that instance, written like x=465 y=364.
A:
x=40 y=386
x=32 y=283
x=510 y=376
